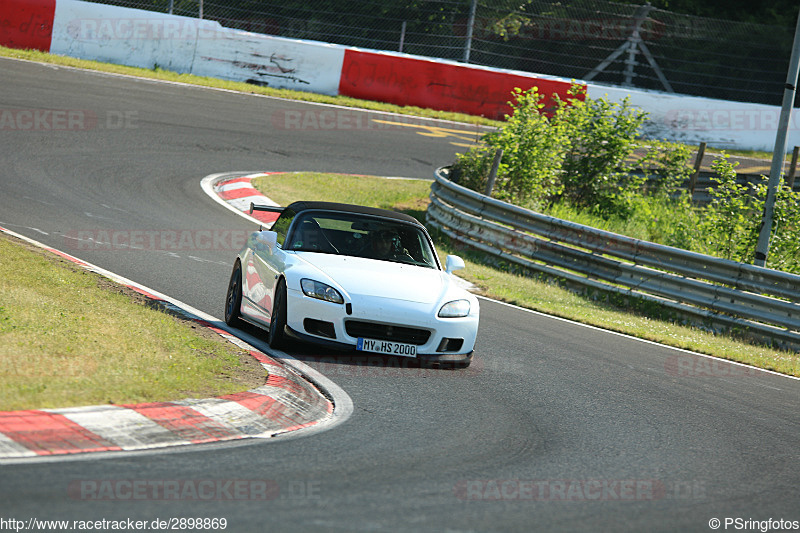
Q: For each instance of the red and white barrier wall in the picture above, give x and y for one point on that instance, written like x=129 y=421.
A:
x=148 y=39
x=26 y=24
x=437 y=84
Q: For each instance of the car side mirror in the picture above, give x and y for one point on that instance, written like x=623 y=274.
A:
x=453 y=263
x=266 y=240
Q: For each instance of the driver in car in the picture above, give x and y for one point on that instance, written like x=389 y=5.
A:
x=385 y=244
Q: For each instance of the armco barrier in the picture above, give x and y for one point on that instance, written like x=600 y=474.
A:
x=718 y=292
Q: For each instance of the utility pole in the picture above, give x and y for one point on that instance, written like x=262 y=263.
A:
x=470 y=25
x=779 y=153
x=402 y=36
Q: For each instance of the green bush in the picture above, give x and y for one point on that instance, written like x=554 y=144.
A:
x=472 y=168
x=601 y=138
x=577 y=163
x=730 y=221
x=667 y=167
x=784 y=252
x=578 y=154
x=533 y=152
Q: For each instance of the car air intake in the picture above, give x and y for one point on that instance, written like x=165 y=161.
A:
x=320 y=328
x=450 y=345
x=386 y=332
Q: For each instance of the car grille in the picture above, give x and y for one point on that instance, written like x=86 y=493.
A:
x=386 y=332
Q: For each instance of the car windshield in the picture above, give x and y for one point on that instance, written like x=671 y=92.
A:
x=360 y=236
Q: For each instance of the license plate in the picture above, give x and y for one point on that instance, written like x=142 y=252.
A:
x=386 y=347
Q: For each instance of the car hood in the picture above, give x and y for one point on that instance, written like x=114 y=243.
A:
x=371 y=277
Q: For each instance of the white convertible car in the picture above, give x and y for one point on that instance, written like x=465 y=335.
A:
x=353 y=278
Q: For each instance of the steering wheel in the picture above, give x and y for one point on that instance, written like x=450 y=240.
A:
x=356 y=243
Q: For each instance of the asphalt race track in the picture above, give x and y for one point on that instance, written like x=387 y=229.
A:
x=555 y=427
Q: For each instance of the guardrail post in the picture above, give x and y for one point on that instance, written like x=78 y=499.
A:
x=792 y=168
x=498 y=155
x=701 y=150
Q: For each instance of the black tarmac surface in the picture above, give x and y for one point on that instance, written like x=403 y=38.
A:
x=555 y=427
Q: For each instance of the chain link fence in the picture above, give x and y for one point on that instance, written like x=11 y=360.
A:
x=618 y=44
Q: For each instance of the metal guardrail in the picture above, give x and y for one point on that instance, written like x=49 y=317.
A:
x=721 y=293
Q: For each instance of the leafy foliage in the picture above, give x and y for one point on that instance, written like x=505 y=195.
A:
x=577 y=163
x=533 y=151
x=784 y=253
x=728 y=225
x=601 y=139
x=577 y=154
x=731 y=222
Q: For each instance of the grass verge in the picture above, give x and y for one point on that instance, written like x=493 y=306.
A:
x=70 y=337
x=411 y=196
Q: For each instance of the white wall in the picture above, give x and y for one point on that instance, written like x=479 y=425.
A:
x=281 y=63
x=147 y=39
x=720 y=123
x=125 y=36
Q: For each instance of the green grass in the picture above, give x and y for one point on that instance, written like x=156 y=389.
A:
x=521 y=290
x=69 y=337
x=756 y=154
x=407 y=194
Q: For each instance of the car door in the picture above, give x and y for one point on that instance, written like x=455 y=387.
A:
x=265 y=263
x=254 y=292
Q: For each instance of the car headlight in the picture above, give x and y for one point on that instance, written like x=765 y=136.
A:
x=454 y=309
x=320 y=291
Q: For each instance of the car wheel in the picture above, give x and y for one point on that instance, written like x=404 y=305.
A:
x=233 y=300
x=277 y=337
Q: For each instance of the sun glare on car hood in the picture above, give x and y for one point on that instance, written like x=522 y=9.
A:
x=370 y=277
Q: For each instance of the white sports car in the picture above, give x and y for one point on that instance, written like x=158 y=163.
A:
x=353 y=278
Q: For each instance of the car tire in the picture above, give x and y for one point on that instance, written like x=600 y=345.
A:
x=233 y=299
x=277 y=336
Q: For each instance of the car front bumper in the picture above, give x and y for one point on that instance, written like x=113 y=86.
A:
x=321 y=322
